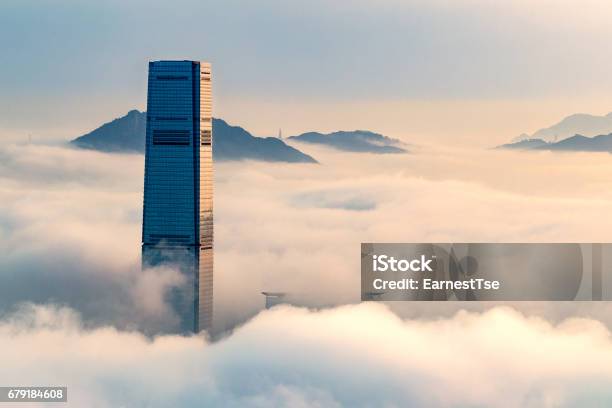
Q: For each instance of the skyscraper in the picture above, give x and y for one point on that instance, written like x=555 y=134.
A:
x=177 y=227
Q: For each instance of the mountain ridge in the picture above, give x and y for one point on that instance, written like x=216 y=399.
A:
x=576 y=124
x=359 y=141
x=576 y=143
x=127 y=134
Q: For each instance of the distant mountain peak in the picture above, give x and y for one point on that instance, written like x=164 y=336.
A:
x=124 y=134
x=575 y=143
x=236 y=143
x=362 y=141
x=577 y=123
x=127 y=134
x=525 y=144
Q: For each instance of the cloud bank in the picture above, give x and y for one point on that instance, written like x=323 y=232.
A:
x=362 y=355
x=70 y=225
x=70 y=242
x=69 y=233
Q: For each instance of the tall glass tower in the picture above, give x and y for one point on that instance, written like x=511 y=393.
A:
x=177 y=226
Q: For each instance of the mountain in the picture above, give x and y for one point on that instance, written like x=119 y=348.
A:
x=524 y=144
x=127 y=134
x=577 y=124
x=576 y=143
x=579 y=143
x=354 y=141
x=235 y=143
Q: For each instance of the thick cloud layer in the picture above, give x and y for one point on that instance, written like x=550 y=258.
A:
x=69 y=234
x=70 y=225
x=361 y=355
x=70 y=242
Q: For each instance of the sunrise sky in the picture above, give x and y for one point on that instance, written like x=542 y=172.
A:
x=465 y=73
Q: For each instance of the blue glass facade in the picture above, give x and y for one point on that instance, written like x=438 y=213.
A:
x=178 y=186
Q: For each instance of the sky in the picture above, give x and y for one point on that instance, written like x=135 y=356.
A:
x=472 y=72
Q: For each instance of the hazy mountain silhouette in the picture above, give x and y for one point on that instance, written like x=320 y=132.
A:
x=577 y=124
x=576 y=143
x=353 y=141
x=235 y=143
x=127 y=134
x=579 y=143
x=524 y=144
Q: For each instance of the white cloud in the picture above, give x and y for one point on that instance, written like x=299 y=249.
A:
x=71 y=220
x=360 y=355
x=70 y=235
x=70 y=232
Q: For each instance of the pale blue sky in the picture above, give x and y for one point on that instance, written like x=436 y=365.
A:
x=66 y=64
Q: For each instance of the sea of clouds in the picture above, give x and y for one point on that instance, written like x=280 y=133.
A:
x=76 y=308
x=355 y=355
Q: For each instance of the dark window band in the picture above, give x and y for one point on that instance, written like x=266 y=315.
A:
x=165 y=118
x=172 y=78
x=165 y=137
